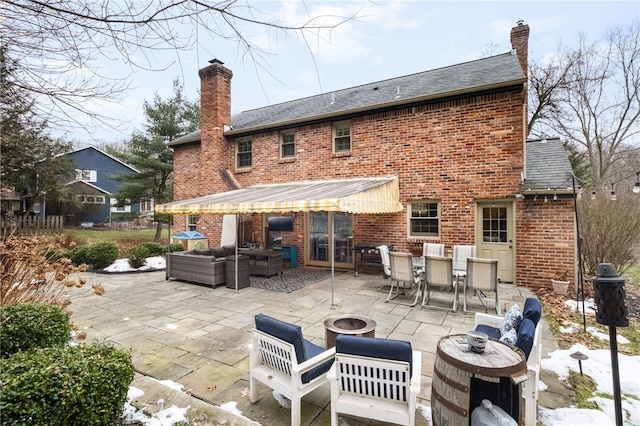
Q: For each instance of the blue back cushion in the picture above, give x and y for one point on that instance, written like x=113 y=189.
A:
x=532 y=310
x=526 y=333
x=290 y=333
x=399 y=350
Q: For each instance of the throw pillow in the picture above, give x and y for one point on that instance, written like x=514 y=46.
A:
x=510 y=337
x=511 y=320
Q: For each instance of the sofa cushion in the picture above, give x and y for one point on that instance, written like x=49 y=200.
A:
x=399 y=350
x=229 y=250
x=290 y=333
x=217 y=252
x=526 y=334
x=532 y=310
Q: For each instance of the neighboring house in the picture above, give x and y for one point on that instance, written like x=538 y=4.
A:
x=10 y=202
x=454 y=137
x=95 y=185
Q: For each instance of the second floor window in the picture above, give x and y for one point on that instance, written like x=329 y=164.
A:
x=424 y=219
x=87 y=175
x=92 y=199
x=288 y=145
x=342 y=136
x=243 y=154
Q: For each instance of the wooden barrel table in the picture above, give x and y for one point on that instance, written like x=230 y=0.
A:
x=462 y=378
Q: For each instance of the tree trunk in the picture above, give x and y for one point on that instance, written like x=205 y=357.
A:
x=158 y=236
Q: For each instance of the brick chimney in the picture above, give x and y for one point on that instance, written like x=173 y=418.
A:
x=520 y=43
x=215 y=104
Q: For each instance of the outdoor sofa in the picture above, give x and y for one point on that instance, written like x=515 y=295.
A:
x=199 y=266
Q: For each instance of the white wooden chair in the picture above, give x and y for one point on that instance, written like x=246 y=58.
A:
x=439 y=273
x=432 y=249
x=491 y=325
x=482 y=276
x=280 y=358
x=403 y=271
x=376 y=379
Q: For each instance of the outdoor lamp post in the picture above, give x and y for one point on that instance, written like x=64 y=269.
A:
x=610 y=310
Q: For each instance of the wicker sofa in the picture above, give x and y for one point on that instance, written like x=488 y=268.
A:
x=198 y=266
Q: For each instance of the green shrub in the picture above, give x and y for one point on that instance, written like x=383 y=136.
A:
x=25 y=326
x=102 y=255
x=79 y=255
x=176 y=247
x=66 y=385
x=138 y=256
x=52 y=254
x=155 y=249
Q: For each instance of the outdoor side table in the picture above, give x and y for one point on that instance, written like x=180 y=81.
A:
x=355 y=325
x=463 y=378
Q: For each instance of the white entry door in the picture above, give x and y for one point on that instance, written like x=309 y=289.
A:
x=495 y=228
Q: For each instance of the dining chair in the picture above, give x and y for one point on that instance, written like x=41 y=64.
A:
x=482 y=276
x=403 y=271
x=439 y=274
x=432 y=249
x=460 y=255
x=384 y=258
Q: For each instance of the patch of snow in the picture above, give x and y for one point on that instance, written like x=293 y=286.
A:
x=151 y=264
x=425 y=411
x=605 y=336
x=171 y=326
x=282 y=400
x=576 y=305
x=170 y=384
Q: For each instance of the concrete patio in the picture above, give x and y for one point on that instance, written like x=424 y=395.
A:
x=197 y=336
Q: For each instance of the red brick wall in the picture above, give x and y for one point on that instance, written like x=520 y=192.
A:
x=545 y=242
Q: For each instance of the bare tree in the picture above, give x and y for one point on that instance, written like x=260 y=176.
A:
x=58 y=44
x=590 y=96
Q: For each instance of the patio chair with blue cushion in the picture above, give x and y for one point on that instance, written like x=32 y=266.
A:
x=282 y=359
x=376 y=379
x=522 y=330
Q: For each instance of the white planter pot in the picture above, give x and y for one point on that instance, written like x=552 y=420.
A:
x=560 y=287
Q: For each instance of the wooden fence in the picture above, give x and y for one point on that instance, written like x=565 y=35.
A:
x=31 y=225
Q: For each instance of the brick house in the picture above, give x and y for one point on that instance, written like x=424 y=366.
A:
x=454 y=137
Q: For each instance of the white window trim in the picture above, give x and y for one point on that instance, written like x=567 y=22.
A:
x=238 y=166
x=86 y=175
x=282 y=136
x=409 y=218
x=336 y=125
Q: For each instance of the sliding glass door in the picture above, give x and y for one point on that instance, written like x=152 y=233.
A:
x=322 y=245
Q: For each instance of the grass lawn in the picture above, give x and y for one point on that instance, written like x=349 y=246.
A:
x=123 y=238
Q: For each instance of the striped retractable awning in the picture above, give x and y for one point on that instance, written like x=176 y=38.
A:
x=359 y=196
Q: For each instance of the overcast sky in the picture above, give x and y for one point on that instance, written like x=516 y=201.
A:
x=388 y=39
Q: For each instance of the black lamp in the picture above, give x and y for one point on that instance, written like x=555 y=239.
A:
x=609 y=295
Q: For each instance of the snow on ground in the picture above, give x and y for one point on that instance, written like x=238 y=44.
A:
x=151 y=264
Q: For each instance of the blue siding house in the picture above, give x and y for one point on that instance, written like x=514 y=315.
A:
x=95 y=185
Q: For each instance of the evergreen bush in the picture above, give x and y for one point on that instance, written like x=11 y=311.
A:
x=65 y=385
x=25 y=326
x=102 y=255
x=176 y=247
x=155 y=249
x=138 y=256
x=78 y=255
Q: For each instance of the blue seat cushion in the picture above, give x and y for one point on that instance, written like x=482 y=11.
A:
x=398 y=350
x=312 y=350
x=290 y=333
x=532 y=310
x=526 y=333
x=492 y=332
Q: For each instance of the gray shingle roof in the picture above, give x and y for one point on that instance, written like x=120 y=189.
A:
x=548 y=167
x=483 y=74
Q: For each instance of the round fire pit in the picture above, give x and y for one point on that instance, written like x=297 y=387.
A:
x=355 y=325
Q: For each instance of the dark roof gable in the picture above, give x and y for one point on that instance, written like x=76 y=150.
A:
x=483 y=74
x=548 y=169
